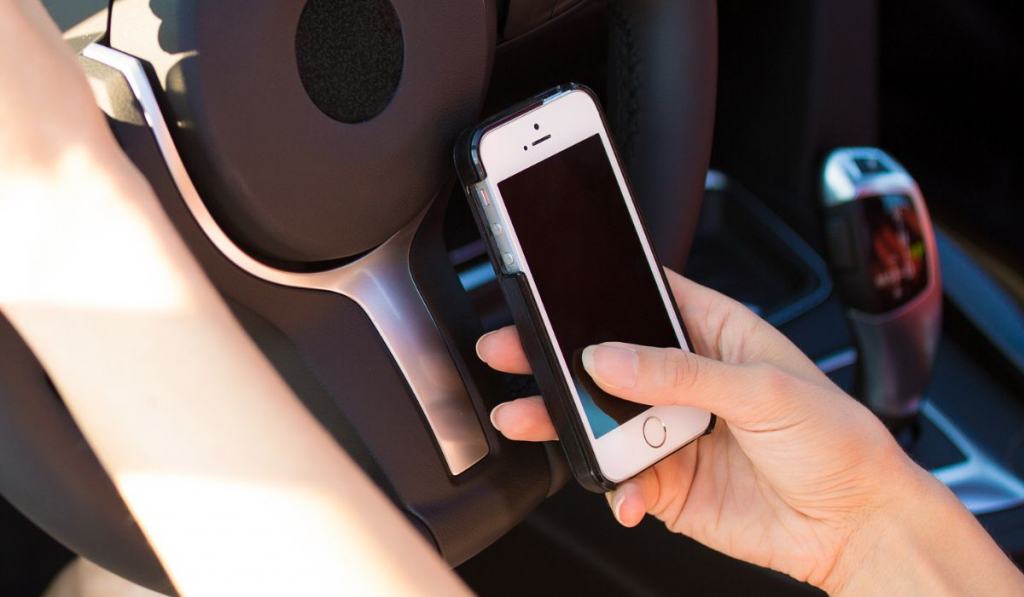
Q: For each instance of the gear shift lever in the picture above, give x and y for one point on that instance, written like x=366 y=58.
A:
x=885 y=267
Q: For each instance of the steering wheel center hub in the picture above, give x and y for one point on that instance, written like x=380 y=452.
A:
x=350 y=55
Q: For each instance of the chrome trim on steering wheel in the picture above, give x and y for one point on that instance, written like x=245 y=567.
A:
x=381 y=283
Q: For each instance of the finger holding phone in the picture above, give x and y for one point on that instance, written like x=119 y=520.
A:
x=763 y=486
x=797 y=476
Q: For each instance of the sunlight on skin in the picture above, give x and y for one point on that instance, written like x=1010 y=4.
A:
x=233 y=482
x=282 y=517
x=235 y=485
x=92 y=229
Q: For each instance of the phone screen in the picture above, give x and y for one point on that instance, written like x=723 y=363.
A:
x=589 y=266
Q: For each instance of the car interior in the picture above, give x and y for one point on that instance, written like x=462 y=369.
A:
x=303 y=151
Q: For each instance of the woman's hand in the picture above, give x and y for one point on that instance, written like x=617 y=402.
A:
x=41 y=77
x=797 y=476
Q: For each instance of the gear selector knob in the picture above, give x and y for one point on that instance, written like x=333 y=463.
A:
x=885 y=267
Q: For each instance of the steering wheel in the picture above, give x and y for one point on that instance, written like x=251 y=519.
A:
x=302 y=151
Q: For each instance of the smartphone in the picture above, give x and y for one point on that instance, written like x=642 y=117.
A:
x=576 y=267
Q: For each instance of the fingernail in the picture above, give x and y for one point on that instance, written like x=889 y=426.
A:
x=616 y=504
x=615 y=365
x=479 y=342
x=495 y=414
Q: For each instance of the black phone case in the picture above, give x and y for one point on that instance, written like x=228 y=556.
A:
x=539 y=349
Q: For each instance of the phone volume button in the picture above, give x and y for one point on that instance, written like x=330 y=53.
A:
x=482 y=196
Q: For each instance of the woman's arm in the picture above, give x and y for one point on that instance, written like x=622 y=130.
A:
x=924 y=543
x=236 y=486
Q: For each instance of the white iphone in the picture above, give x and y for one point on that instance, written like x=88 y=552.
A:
x=577 y=269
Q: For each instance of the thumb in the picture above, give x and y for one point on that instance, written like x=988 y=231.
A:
x=659 y=376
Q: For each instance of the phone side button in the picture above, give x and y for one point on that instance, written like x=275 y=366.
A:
x=482 y=197
x=654 y=432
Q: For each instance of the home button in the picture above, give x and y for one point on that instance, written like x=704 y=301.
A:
x=654 y=432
